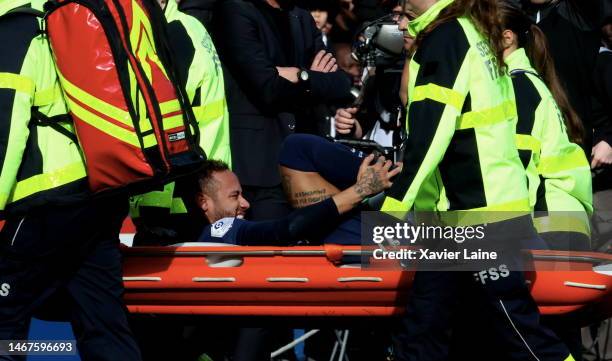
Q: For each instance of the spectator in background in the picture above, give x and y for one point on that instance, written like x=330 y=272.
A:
x=320 y=11
x=573 y=31
x=377 y=118
x=346 y=22
x=571 y=27
x=347 y=63
x=602 y=151
x=277 y=69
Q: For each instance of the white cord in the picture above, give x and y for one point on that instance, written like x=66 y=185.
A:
x=293 y=343
x=17 y=231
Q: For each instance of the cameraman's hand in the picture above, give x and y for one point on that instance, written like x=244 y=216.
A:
x=324 y=62
x=345 y=121
x=289 y=73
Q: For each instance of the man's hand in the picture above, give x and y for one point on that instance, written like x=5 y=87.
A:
x=371 y=179
x=375 y=178
x=289 y=73
x=324 y=62
x=602 y=155
x=345 y=121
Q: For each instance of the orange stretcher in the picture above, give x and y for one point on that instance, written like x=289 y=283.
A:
x=309 y=281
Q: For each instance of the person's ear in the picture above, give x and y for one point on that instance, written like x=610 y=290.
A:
x=509 y=38
x=202 y=201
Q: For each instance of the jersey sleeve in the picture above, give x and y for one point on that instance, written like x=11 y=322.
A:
x=303 y=223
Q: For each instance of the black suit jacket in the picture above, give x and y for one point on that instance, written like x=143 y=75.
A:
x=263 y=106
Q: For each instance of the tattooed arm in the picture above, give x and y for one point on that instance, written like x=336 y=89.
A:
x=315 y=220
x=371 y=179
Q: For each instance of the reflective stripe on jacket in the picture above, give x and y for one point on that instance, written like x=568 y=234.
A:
x=558 y=171
x=460 y=152
x=39 y=165
x=200 y=72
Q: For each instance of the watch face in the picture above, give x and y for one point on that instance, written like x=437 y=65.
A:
x=304 y=75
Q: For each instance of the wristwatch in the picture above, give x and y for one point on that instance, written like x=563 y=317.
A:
x=304 y=79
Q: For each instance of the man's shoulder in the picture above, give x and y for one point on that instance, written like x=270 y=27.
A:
x=223 y=230
x=221 y=227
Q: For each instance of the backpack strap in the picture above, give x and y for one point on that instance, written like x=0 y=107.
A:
x=44 y=98
x=41 y=120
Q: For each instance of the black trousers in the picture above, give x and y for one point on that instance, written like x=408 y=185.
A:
x=70 y=250
x=507 y=318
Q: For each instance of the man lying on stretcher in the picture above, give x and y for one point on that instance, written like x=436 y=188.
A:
x=221 y=200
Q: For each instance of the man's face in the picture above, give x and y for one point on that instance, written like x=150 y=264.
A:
x=226 y=198
x=347 y=63
x=402 y=18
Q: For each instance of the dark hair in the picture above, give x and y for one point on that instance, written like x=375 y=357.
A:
x=205 y=181
x=534 y=41
x=484 y=14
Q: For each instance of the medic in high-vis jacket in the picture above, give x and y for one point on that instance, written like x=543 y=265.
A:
x=39 y=164
x=560 y=189
x=55 y=238
x=461 y=161
x=164 y=216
